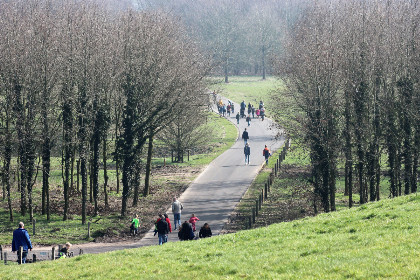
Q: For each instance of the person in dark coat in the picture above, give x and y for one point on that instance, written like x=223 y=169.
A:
x=21 y=239
x=247 y=152
x=266 y=154
x=205 y=231
x=248 y=120
x=237 y=118
x=245 y=136
x=186 y=232
x=162 y=230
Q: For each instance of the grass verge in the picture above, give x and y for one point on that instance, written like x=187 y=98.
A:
x=377 y=240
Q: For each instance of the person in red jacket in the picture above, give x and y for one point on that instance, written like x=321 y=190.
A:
x=266 y=154
x=168 y=221
x=193 y=220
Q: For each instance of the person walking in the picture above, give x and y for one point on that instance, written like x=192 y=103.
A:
x=176 y=209
x=245 y=136
x=205 y=231
x=237 y=118
x=253 y=111
x=243 y=107
x=228 y=109
x=266 y=154
x=162 y=230
x=247 y=152
x=134 y=228
x=262 y=113
x=21 y=239
x=193 y=220
x=168 y=221
x=248 y=120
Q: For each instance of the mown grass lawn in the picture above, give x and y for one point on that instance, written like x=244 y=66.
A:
x=375 y=241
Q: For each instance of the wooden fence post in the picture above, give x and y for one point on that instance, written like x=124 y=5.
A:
x=266 y=191
x=1 y=252
x=5 y=258
x=34 y=258
x=188 y=154
x=33 y=226
x=53 y=253
x=256 y=207
x=253 y=216
x=261 y=201
x=262 y=196
x=249 y=222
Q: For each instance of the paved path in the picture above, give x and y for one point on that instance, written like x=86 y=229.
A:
x=215 y=192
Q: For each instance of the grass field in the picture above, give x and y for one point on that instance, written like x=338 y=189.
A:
x=375 y=241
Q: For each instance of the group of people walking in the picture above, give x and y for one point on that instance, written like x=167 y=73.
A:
x=186 y=230
x=259 y=112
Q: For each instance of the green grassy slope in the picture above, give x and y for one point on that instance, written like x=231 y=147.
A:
x=375 y=241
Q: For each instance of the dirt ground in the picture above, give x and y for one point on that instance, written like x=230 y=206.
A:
x=290 y=198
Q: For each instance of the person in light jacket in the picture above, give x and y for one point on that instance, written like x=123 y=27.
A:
x=176 y=209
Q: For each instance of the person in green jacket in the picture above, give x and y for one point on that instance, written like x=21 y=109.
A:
x=134 y=228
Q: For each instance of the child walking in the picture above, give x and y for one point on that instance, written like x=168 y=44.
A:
x=193 y=220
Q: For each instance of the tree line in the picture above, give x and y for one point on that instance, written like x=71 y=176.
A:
x=353 y=68
x=241 y=37
x=72 y=73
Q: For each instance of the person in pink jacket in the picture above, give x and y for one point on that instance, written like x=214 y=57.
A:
x=193 y=220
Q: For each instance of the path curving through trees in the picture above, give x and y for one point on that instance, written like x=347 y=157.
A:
x=215 y=192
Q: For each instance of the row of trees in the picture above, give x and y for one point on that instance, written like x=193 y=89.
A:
x=72 y=73
x=353 y=68
x=240 y=36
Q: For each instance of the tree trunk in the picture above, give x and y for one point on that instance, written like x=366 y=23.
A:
x=104 y=155
x=95 y=168
x=263 y=62
x=83 y=173
x=146 y=189
x=226 y=71
x=6 y=166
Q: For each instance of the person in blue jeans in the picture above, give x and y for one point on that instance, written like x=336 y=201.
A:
x=162 y=230
x=247 y=152
x=245 y=136
x=21 y=239
x=176 y=209
x=266 y=154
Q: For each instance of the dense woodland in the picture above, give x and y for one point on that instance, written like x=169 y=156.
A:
x=86 y=81
x=353 y=70
x=75 y=75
